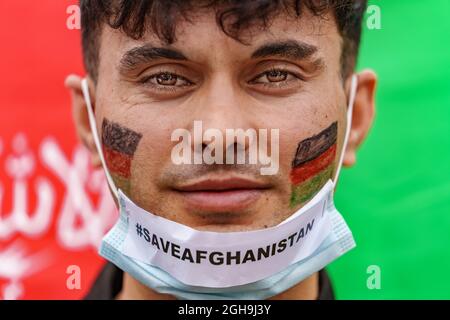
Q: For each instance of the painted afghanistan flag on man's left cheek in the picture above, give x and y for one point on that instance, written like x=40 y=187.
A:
x=119 y=145
x=313 y=164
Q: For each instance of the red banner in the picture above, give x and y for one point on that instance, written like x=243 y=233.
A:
x=54 y=208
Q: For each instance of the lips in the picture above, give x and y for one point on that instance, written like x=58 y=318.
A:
x=221 y=195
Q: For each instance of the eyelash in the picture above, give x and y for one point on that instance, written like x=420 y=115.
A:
x=173 y=88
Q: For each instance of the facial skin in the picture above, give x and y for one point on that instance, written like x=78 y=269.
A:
x=286 y=78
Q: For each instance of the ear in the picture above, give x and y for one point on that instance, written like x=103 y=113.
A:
x=80 y=115
x=363 y=113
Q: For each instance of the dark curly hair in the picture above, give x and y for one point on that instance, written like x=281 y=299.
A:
x=134 y=17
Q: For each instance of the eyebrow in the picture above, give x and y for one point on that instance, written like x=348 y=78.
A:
x=291 y=49
x=146 y=53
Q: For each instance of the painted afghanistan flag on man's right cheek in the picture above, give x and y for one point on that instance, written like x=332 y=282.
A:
x=119 y=145
x=313 y=165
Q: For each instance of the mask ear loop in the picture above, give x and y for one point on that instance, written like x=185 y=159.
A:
x=351 y=101
x=93 y=125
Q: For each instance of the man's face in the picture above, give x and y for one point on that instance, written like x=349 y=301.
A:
x=286 y=78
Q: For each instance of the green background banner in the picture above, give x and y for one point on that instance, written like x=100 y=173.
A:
x=397 y=197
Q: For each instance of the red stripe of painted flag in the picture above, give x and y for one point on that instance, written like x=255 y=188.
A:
x=313 y=167
x=118 y=163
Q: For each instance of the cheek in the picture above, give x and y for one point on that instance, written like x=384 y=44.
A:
x=131 y=154
x=310 y=144
x=304 y=121
x=313 y=164
x=151 y=157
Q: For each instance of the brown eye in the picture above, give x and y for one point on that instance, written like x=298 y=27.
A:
x=276 y=75
x=166 y=79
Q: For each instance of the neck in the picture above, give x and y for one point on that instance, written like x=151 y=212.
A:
x=132 y=289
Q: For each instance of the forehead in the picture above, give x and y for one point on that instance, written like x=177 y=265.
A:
x=201 y=38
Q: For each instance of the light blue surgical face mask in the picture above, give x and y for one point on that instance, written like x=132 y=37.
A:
x=329 y=238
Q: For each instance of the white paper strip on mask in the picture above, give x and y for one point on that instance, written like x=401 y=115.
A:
x=217 y=260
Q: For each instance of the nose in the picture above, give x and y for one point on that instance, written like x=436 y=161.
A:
x=221 y=108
